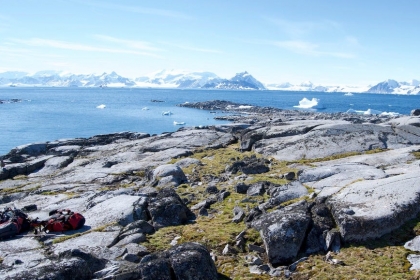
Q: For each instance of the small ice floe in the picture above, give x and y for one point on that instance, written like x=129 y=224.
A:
x=166 y=113
x=179 y=123
x=102 y=106
x=348 y=94
x=390 y=114
x=145 y=108
x=373 y=112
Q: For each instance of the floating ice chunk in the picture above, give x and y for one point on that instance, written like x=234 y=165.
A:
x=390 y=114
x=305 y=103
x=102 y=106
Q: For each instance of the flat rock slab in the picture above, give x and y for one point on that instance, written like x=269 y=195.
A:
x=118 y=209
x=383 y=159
x=286 y=192
x=339 y=175
x=332 y=139
x=93 y=242
x=370 y=209
x=18 y=244
x=23 y=261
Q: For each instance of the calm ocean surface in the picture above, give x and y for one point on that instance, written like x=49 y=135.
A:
x=47 y=114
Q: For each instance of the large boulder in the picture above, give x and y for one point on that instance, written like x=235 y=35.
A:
x=415 y=112
x=370 y=209
x=192 y=261
x=249 y=165
x=283 y=232
x=168 y=209
x=168 y=174
x=185 y=261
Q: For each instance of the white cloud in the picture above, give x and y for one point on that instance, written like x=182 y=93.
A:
x=297 y=29
x=10 y=50
x=137 y=9
x=38 y=42
x=140 y=45
x=192 y=48
x=307 y=48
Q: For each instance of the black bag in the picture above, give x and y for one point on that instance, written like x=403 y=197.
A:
x=13 y=222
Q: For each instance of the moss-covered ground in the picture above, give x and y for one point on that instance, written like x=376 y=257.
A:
x=385 y=258
x=379 y=259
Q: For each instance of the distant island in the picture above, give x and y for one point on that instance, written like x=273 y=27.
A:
x=190 y=80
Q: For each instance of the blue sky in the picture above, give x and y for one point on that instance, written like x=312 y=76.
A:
x=326 y=42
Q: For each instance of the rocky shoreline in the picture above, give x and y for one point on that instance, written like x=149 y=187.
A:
x=262 y=196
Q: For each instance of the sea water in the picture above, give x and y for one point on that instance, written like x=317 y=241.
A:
x=48 y=114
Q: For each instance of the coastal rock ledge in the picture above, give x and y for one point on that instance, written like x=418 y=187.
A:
x=262 y=194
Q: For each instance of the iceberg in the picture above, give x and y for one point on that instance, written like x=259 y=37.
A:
x=102 y=106
x=305 y=103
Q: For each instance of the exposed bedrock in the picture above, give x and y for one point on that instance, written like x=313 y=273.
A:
x=130 y=186
x=102 y=157
x=321 y=138
x=372 y=208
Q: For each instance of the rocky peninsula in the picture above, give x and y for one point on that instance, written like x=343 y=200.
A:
x=273 y=194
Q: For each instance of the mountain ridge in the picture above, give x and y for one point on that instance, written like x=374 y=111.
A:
x=190 y=80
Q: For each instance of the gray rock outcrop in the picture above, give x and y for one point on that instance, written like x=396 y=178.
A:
x=370 y=209
x=351 y=178
x=185 y=261
x=283 y=232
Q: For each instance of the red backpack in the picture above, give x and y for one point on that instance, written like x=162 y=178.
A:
x=61 y=220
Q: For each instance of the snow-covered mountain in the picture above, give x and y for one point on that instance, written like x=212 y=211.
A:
x=61 y=79
x=164 y=79
x=184 y=79
x=176 y=79
x=207 y=80
x=394 y=87
x=240 y=81
x=309 y=86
